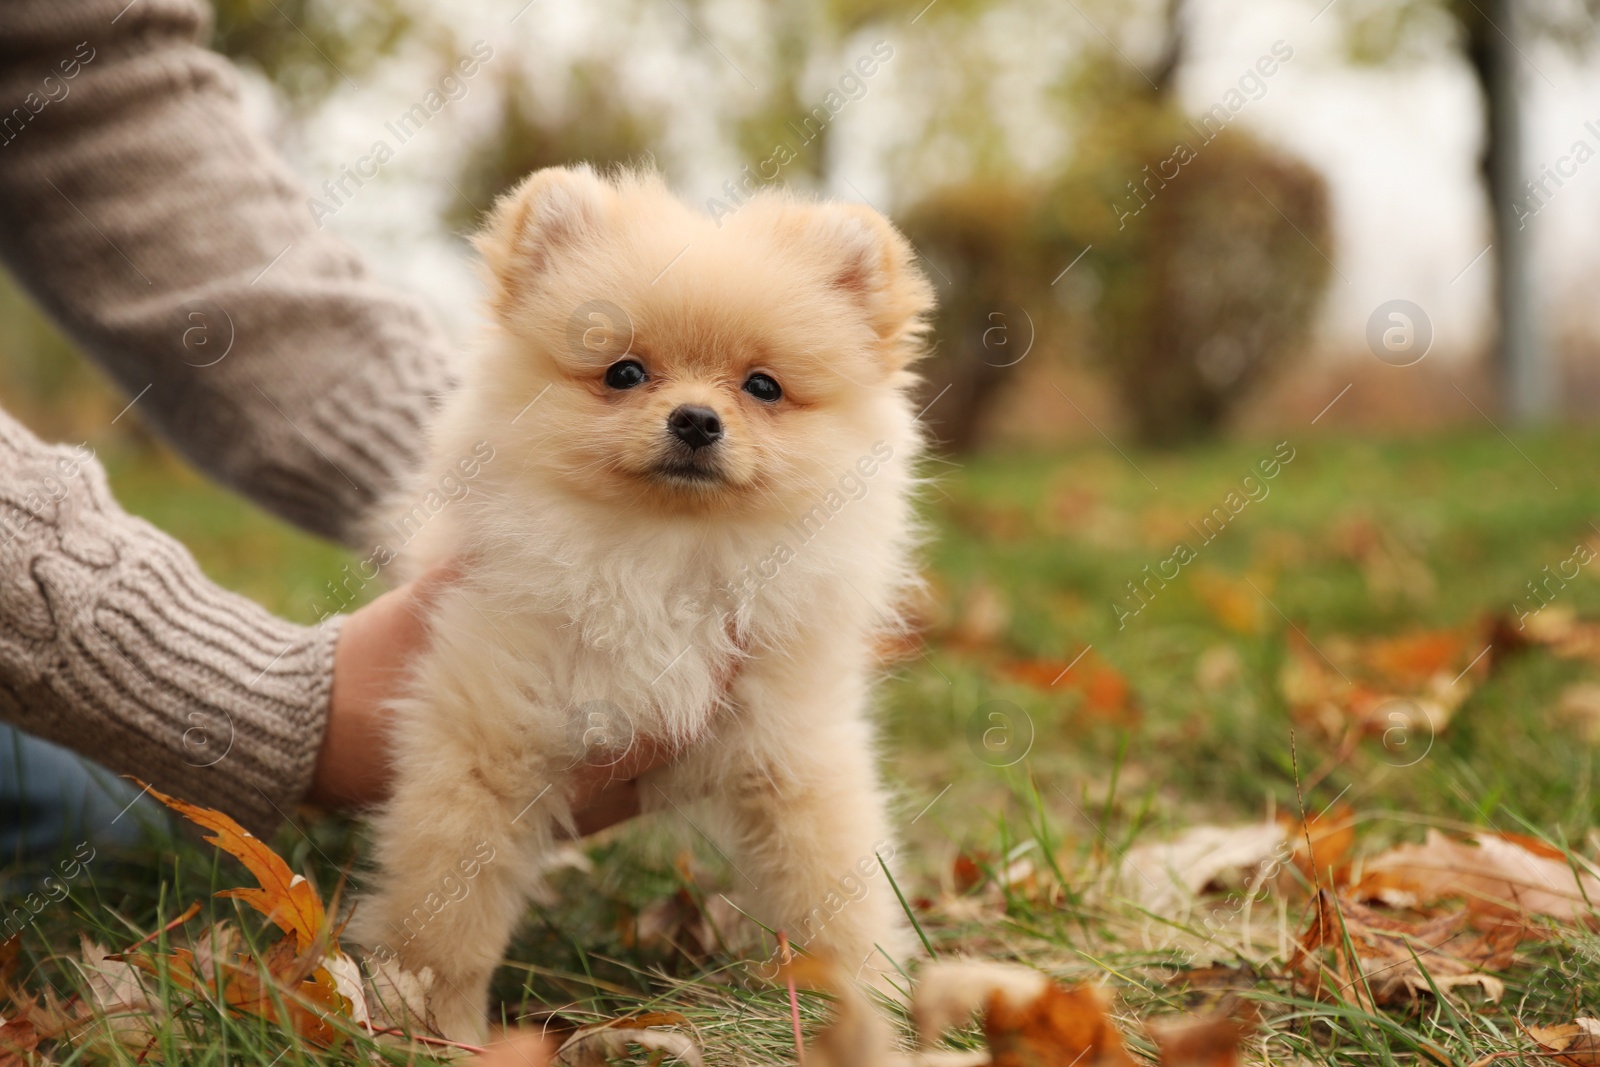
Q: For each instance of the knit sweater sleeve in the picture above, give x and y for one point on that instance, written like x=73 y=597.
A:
x=173 y=245
x=114 y=644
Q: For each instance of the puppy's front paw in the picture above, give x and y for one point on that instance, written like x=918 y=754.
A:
x=458 y=1017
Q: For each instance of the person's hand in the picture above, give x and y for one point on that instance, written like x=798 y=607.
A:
x=376 y=645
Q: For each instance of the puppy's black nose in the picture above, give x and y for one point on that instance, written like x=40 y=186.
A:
x=695 y=425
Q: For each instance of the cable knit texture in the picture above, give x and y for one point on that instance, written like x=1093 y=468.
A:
x=175 y=247
x=113 y=643
x=143 y=214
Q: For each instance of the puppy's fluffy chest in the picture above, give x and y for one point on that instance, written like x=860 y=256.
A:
x=639 y=627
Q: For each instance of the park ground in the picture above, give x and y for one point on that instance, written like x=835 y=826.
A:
x=1046 y=722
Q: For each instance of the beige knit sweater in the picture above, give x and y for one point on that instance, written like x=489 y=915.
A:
x=171 y=244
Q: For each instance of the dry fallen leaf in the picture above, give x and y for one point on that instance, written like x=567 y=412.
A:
x=1401 y=691
x=301 y=980
x=284 y=897
x=1579 y=708
x=1057 y=1026
x=17 y=1041
x=1352 y=952
x=1322 y=845
x=1506 y=876
x=1559 y=629
x=1232 y=601
x=1166 y=877
x=597 y=1045
x=1576 y=1044
x=1205 y=1042
x=1027 y=1021
x=1102 y=693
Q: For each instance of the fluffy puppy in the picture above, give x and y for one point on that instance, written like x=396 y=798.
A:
x=695 y=520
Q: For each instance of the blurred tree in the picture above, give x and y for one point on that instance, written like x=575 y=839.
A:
x=973 y=210
x=1209 y=246
x=981 y=241
x=1487 y=33
x=309 y=48
x=1210 y=264
x=597 y=125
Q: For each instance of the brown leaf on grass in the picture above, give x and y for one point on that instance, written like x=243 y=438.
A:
x=1576 y=1044
x=1559 y=629
x=300 y=980
x=1103 y=693
x=1402 y=691
x=1206 y=1042
x=1352 y=952
x=1322 y=845
x=1027 y=1021
x=1231 y=601
x=47 y=1016
x=1165 y=877
x=1501 y=876
x=1056 y=1027
x=599 y=1044
x=1578 y=708
x=18 y=1041
x=966 y=871
x=695 y=929
x=119 y=993
x=1412 y=660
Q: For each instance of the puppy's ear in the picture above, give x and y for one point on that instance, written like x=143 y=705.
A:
x=555 y=210
x=867 y=259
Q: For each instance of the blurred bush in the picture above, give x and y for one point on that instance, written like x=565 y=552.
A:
x=1210 y=249
x=983 y=249
x=596 y=126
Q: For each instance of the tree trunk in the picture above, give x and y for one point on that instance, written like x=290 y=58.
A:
x=1521 y=362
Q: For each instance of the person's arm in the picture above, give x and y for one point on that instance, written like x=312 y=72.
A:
x=172 y=245
x=114 y=644
x=175 y=247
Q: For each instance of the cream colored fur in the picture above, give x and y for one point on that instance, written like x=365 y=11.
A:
x=602 y=600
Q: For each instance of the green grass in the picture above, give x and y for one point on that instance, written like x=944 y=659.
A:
x=1454 y=528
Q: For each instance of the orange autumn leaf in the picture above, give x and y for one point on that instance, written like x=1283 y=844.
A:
x=1576 y=1044
x=245 y=989
x=1104 y=691
x=967 y=871
x=1412 y=659
x=1377 y=690
x=291 y=984
x=1323 y=844
x=1231 y=601
x=18 y=1040
x=1352 y=952
x=285 y=898
x=1059 y=1026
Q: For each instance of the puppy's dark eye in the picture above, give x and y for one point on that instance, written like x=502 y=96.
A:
x=763 y=387
x=626 y=374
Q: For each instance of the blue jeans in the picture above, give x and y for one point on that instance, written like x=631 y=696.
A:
x=52 y=799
